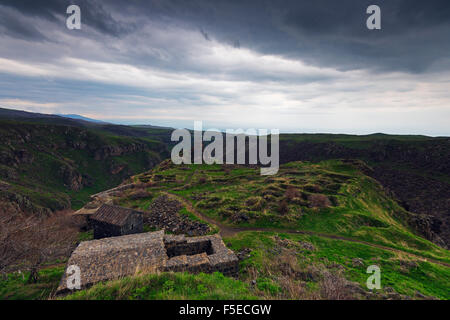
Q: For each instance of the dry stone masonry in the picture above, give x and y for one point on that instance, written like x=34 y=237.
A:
x=117 y=257
x=164 y=214
x=110 y=221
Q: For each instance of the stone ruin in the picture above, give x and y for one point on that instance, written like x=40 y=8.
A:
x=163 y=213
x=113 y=221
x=118 y=257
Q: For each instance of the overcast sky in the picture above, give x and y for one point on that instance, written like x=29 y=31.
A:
x=298 y=66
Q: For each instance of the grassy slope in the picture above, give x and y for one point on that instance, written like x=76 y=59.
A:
x=360 y=210
x=168 y=286
x=261 y=278
x=421 y=155
x=53 y=147
x=16 y=286
x=427 y=278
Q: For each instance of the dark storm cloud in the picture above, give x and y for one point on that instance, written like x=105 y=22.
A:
x=94 y=14
x=415 y=33
x=14 y=25
x=45 y=9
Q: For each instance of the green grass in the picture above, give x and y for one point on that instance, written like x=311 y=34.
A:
x=55 y=147
x=428 y=278
x=404 y=274
x=86 y=235
x=360 y=208
x=16 y=286
x=168 y=286
x=238 y=197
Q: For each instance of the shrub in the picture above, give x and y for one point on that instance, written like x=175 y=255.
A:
x=225 y=213
x=268 y=285
x=313 y=188
x=139 y=194
x=291 y=193
x=209 y=203
x=283 y=208
x=255 y=203
x=318 y=200
x=334 y=286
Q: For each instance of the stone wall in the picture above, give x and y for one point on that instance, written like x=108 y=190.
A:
x=117 y=257
x=164 y=214
x=181 y=246
x=134 y=224
x=105 y=230
x=200 y=254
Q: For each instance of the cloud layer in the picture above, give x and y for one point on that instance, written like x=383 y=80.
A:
x=294 y=65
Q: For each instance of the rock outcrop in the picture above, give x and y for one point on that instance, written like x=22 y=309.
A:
x=416 y=170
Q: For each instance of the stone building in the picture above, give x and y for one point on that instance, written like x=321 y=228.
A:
x=112 y=221
x=117 y=257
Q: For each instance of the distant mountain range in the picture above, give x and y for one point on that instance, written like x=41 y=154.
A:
x=64 y=119
x=78 y=117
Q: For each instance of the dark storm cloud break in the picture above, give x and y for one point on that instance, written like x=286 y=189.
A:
x=415 y=33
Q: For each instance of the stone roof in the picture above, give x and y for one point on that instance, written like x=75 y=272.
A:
x=113 y=214
x=117 y=257
x=112 y=258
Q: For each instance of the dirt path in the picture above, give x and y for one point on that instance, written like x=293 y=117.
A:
x=227 y=231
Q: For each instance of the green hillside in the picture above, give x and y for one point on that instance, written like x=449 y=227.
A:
x=310 y=232
x=306 y=233
x=415 y=169
x=52 y=167
x=330 y=197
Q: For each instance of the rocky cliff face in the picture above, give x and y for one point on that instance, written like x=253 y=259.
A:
x=47 y=165
x=417 y=172
x=426 y=196
x=105 y=152
x=71 y=178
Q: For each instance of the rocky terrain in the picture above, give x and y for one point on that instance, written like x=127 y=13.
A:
x=416 y=169
x=163 y=214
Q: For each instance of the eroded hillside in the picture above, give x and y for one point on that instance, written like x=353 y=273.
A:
x=47 y=167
